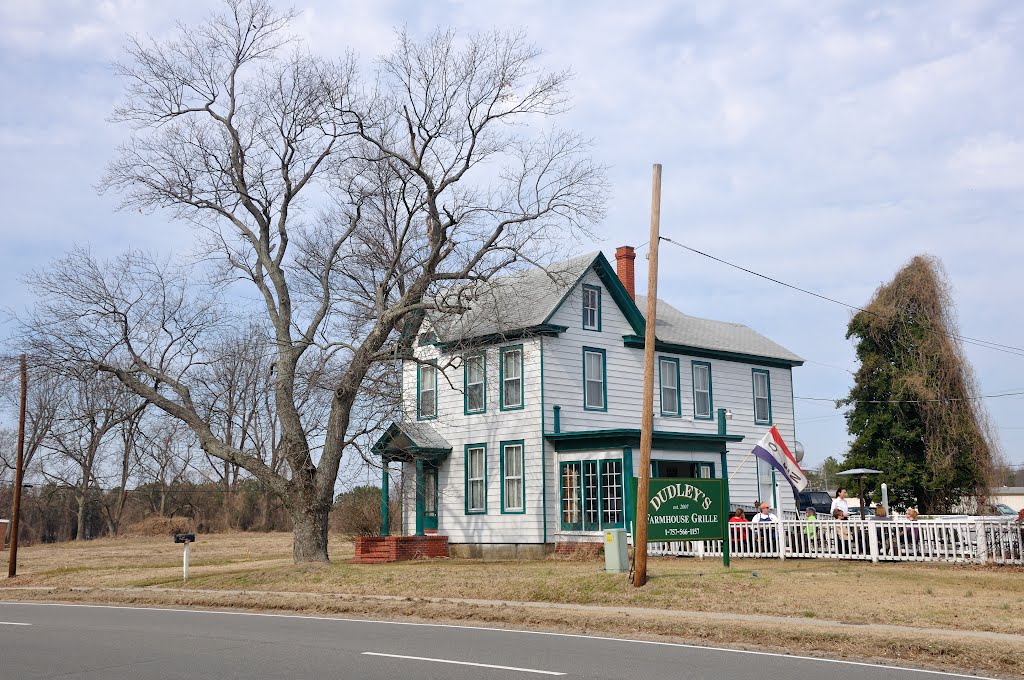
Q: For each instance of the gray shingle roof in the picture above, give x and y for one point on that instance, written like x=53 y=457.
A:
x=527 y=299
x=410 y=434
x=681 y=329
x=513 y=302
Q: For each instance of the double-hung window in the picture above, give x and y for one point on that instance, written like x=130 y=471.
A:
x=476 y=479
x=591 y=308
x=702 y=390
x=513 y=497
x=426 y=397
x=512 y=377
x=476 y=384
x=594 y=382
x=762 y=397
x=668 y=379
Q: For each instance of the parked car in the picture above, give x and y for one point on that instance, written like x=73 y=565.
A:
x=821 y=501
x=1002 y=509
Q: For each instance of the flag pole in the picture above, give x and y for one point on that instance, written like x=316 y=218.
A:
x=647 y=420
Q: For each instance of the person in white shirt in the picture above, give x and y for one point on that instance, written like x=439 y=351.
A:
x=766 y=514
x=840 y=502
x=765 y=537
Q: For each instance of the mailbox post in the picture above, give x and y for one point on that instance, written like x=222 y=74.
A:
x=187 y=539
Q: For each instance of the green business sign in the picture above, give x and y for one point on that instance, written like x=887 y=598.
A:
x=685 y=510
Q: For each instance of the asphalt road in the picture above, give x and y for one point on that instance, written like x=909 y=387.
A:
x=109 y=643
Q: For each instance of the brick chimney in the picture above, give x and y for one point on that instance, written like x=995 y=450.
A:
x=624 y=256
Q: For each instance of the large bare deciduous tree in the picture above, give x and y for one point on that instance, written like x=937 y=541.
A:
x=346 y=198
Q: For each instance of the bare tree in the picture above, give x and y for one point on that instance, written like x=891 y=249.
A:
x=164 y=460
x=351 y=208
x=89 y=411
x=43 y=393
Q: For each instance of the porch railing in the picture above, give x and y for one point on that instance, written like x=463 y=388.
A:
x=966 y=540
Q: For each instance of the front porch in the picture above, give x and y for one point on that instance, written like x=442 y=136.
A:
x=416 y=443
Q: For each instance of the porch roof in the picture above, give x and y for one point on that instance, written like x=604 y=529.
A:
x=619 y=437
x=408 y=440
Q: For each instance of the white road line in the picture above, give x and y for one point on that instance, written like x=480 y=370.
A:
x=655 y=643
x=13 y=623
x=464 y=663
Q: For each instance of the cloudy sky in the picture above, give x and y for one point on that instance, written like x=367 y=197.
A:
x=823 y=143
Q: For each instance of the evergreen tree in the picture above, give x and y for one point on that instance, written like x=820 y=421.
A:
x=914 y=412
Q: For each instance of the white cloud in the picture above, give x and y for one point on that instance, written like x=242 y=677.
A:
x=831 y=142
x=995 y=161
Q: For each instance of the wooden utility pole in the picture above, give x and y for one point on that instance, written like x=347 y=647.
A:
x=647 y=422
x=12 y=563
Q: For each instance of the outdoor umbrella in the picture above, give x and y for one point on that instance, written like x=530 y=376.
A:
x=859 y=474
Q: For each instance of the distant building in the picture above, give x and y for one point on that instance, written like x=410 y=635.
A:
x=1010 y=495
x=522 y=415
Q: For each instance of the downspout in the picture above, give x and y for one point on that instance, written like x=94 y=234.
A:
x=543 y=449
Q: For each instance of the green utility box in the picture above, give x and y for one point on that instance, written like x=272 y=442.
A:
x=615 y=555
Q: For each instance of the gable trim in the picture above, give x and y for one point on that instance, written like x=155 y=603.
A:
x=637 y=342
x=616 y=290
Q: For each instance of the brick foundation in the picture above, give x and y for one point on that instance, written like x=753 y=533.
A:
x=579 y=548
x=379 y=549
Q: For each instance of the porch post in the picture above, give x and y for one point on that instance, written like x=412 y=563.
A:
x=420 y=492
x=385 y=515
x=627 y=483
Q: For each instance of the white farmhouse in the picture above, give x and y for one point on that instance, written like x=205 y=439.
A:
x=522 y=415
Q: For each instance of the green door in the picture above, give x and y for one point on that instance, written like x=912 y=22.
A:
x=429 y=497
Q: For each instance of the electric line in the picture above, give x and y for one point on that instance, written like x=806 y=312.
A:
x=1008 y=349
x=914 y=401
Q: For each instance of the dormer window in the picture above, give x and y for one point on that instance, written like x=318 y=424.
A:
x=591 y=308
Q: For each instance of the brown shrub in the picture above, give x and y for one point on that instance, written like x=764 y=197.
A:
x=158 y=526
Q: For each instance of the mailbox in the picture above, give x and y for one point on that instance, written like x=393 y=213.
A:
x=184 y=538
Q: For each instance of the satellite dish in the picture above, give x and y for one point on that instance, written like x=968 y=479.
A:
x=798 y=451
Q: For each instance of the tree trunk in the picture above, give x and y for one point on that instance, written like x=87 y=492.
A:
x=82 y=499
x=309 y=533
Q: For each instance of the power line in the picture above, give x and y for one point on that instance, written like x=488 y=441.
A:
x=914 y=401
x=1008 y=349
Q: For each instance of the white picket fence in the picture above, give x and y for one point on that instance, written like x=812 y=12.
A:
x=981 y=541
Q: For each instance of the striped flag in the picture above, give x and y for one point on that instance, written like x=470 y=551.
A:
x=772 y=450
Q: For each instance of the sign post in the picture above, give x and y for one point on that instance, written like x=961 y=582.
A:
x=187 y=539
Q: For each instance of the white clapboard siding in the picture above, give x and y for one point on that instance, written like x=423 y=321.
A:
x=489 y=428
x=732 y=388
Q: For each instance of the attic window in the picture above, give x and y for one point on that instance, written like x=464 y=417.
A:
x=591 y=308
x=427 y=338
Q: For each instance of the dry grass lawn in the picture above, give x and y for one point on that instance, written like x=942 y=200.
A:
x=963 y=598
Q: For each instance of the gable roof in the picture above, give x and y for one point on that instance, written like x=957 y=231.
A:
x=411 y=439
x=525 y=302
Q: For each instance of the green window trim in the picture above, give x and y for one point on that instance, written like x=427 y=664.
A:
x=570 y=509
x=419 y=392
x=501 y=379
x=468 y=491
x=594 y=289
x=465 y=383
x=592 y=500
x=711 y=394
x=661 y=391
x=604 y=379
x=768 y=389
x=521 y=510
